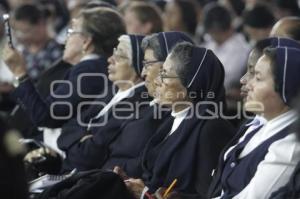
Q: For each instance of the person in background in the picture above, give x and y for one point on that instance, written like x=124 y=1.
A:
x=236 y=8
x=142 y=18
x=38 y=47
x=258 y=22
x=222 y=39
x=181 y=15
x=288 y=27
x=88 y=53
x=285 y=8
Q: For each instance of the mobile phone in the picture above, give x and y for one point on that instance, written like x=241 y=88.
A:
x=8 y=29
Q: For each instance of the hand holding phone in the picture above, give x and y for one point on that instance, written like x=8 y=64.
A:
x=8 y=30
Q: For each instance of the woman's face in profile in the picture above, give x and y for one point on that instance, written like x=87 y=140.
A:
x=120 y=68
x=172 y=17
x=262 y=97
x=151 y=70
x=169 y=87
x=75 y=40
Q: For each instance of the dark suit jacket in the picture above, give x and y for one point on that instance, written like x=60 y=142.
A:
x=18 y=117
x=67 y=94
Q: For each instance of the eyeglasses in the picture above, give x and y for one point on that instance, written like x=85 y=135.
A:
x=146 y=64
x=118 y=56
x=162 y=75
x=71 y=31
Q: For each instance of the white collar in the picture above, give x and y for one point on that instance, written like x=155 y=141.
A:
x=282 y=120
x=257 y=121
x=181 y=113
x=89 y=57
x=271 y=128
x=153 y=102
x=130 y=91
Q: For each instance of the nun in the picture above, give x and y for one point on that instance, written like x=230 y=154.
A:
x=93 y=146
x=292 y=188
x=88 y=140
x=258 y=121
x=187 y=148
x=156 y=47
x=263 y=159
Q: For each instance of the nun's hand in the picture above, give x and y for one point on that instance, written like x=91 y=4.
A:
x=136 y=186
x=14 y=60
x=118 y=170
x=39 y=153
x=159 y=194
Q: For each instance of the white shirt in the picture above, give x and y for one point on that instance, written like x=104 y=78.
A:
x=179 y=117
x=233 y=54
x=120 y=95
x=254 y=124
x=89 y=57
x=279 y=163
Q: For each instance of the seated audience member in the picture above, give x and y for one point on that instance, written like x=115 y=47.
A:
x=109 y=134
x=222 y=39
x=32 y=32
x=284 y=8
x=188 y=145
x=258 y=120
x=157 y=47
x=122 y=152
x=181 y=15
x=288 y=27
x=142 y=18
x=113 y=134
x=88 y=53
x=259 y=157
x=258 y=22
x=292 y=188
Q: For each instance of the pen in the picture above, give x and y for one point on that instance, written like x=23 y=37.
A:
x=170 y=188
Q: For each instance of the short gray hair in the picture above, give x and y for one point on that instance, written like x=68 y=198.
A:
x=181 y=56
x=152 y=42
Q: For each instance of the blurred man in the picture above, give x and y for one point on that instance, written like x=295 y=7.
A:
x=288 y=27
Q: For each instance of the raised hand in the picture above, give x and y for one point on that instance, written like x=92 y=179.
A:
x=14 y=60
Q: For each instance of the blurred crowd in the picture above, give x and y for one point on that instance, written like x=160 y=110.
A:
x=58 y=40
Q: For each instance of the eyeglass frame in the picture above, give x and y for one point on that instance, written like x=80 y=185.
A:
x=162 y=77
x=150 y=62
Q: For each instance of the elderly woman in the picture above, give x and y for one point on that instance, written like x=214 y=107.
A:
x=116 y=133
x=266 y=155
x=87 y=51
x=187 y=147
x=157 y=47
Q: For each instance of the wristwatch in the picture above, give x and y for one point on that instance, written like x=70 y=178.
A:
x=18 y=80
